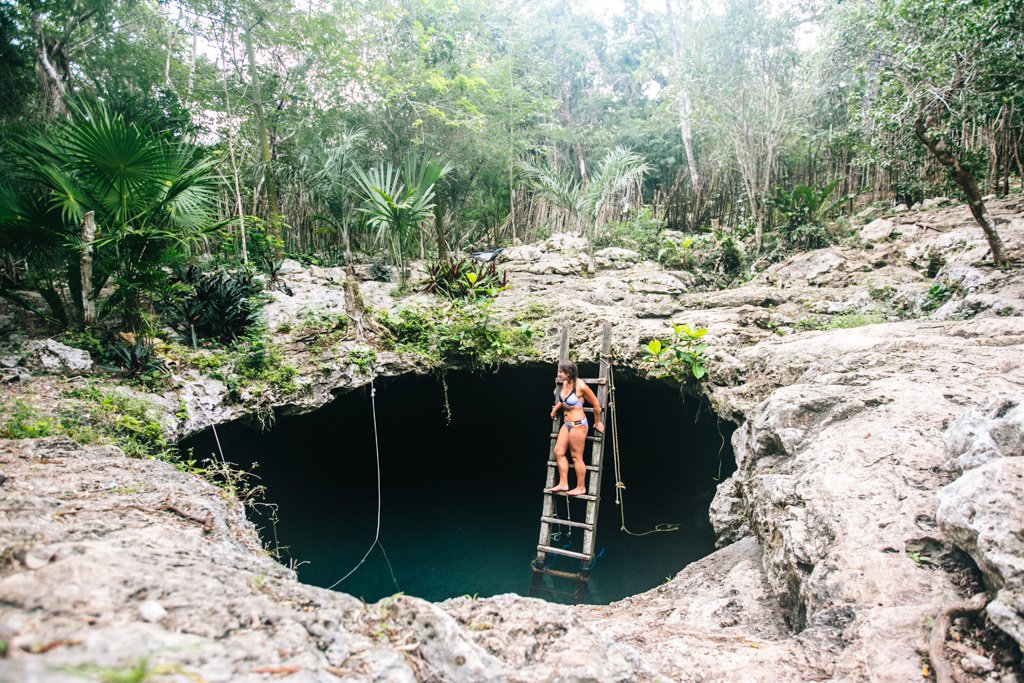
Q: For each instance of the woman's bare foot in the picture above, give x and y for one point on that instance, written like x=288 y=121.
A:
x=557 y=489
x=576 y=491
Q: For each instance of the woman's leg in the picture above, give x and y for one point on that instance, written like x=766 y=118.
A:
x=561 y=446
x=577 y=440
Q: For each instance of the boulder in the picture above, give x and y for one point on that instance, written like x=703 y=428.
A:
x=934 y=202
x=878 y=229
x=987 y=432
x=528 y=253
x=981 y=513
x=728 y=514
x=614 y=257
x=565 y=243
x=290 y=266
x=49 y=355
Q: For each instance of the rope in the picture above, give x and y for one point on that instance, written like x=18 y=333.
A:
x=376 y=538
x=620 y=487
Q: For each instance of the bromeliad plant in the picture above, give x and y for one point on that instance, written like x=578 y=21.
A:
x=457 y=278
x=681 y=357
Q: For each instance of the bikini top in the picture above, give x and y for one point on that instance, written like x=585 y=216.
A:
x=577 y=403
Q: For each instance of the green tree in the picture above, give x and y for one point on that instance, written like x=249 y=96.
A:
x=930 y=67
x=584 y=198
x=398 y=202
x=95 y=200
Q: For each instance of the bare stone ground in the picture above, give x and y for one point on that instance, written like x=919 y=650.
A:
x=871 y=462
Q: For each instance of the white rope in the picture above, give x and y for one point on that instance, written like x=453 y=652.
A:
x=620 y=486
x=376 y=538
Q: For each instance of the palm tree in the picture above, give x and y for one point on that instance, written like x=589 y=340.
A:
x=585 y=198
x=96 y=201
x=398 y=202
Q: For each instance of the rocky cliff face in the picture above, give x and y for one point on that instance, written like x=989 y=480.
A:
x=876 y=466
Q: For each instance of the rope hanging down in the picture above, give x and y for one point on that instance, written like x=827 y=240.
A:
x=620 y=487
x=376 y=538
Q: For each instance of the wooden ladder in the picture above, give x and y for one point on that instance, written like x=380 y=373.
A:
x=548 y=518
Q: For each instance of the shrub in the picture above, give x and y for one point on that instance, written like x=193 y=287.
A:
x=137 y=359
x=804 y=211
x=460 y=277
x=220 y=305
x=681 y=357
x=642 y=233
x=461 y=334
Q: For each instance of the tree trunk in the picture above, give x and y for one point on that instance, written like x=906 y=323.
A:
x=273 y=229
x=967 y=183
x=88 y=298
x=683 y=102
x=442 y=244
x=53 y=82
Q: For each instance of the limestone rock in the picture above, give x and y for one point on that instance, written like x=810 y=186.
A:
x=984 y=433
x=728 y=514
x=934 y=202
x=878 y=229
x=565 y=243
x=151 y=610
x=527 y=253
x=981 y=513
x=614 y=257
x=49 y=355
x=290 y=266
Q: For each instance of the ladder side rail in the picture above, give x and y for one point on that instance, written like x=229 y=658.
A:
x=597 y=451
x=548 y=507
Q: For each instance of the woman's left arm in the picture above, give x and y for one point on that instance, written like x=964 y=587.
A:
x=588 y=393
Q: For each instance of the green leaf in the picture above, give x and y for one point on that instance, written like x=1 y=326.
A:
x=655 y=346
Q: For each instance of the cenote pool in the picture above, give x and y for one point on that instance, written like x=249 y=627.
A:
x=461 y=487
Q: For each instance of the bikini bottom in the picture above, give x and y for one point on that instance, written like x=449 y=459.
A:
x=569 y=424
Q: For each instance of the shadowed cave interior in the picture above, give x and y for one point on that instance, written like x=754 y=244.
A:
x=461 y=497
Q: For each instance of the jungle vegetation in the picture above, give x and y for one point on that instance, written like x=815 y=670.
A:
x=142 y=141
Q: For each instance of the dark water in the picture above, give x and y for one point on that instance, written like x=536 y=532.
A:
x=461 y=502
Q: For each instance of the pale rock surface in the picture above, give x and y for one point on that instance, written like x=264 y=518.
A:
x=840 y=453
x=878 y=229
x=980 y=511
x=987 y=432
x=49 y=355
x=615 y=257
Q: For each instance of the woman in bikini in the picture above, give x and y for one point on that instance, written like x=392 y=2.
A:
x=572 y=435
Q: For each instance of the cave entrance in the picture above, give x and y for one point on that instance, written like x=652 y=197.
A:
x=462 y=468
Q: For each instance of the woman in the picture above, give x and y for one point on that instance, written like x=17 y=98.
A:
x=572 y=435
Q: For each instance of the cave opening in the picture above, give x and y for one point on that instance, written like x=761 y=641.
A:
x=462 y=468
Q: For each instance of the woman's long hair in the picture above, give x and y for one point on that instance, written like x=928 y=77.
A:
x=569 y=368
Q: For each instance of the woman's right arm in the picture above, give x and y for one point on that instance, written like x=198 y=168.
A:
x=554 y=410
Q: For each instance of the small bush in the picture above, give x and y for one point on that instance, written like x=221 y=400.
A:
x=25 y=423
x=460 y=334
x=221 y=305
x=137 y=360
x=459 y=277
x=681 y=357
x=642 y=233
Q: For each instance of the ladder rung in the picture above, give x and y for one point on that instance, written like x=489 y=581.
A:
x=567 y=553
x=567 y=522
x=590 y=468
x=582 y=496
x=589 y=380
x=560 y=574
x=594 y=437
